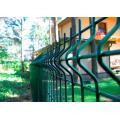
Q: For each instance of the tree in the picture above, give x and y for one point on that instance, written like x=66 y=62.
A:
x=37 y=35
x=50 y=40
x=22 y=50
x=74 y=41
x=45 y=19
x=10 y=34
x=53 y=21
x=31 y=35
x=93 y=50
x=55 y=30
x=56 y=20
x=3 y=53
x=16 y=24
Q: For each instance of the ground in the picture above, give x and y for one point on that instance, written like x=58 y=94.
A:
x=15 y=87
x=24 y=97
x=110 y=100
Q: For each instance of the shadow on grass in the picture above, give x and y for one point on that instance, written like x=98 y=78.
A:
x=23 y=75
x=14 y=87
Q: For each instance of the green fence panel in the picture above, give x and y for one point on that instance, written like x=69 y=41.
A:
x=48 y=74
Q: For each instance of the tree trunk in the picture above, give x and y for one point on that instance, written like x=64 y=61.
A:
x=55 y=30
x=93 y=50
x=50 y=30
x=33 y=47
x=22 y=50
x=74 y=41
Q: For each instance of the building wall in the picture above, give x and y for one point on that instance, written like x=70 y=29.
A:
x=66 y=29
x=105 y=59
x=86 y=62
x=59 y=29
x=87 y=50
x=109 y=25
x=115 y=59
x=84 y=23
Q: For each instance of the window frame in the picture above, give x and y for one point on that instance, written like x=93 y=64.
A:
x=101 y=26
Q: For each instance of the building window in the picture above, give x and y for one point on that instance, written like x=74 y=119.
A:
x=101 y=29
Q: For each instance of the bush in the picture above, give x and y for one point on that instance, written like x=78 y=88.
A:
x=14 y=65
x=26 y=66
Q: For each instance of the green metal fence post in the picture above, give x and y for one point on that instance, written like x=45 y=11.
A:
x=66 y=59
x=100 y=53
x=59 y=57
x=33 y=84
x=46 y=73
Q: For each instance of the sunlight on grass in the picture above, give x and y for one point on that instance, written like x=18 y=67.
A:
x=107 y=85
x=10 y=94
x=2 y=78
x=8 y=72
x=11 y=79
x=11 y=83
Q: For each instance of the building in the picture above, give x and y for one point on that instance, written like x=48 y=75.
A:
x=102 y=28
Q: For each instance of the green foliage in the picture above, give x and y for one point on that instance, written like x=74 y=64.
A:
x=3 y=54
x=26 y=66
x=11 y=65
x=10 y=37
x=38 y=36
x=59 y=19
x=6 y=61
x=14 y=23
x=14 y=65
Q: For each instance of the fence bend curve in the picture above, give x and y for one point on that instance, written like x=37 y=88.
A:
x=45 y=66
x=100 y=54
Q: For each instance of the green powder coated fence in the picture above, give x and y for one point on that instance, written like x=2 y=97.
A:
x=47 y=71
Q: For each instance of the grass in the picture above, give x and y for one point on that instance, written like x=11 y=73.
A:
x=14 y=86
x=107 y=85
